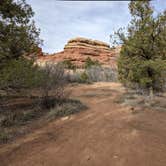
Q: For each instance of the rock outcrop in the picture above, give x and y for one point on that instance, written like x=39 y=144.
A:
x=79 y=49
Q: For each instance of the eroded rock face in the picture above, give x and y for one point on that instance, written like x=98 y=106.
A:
x=79 y=49
x=86 y=43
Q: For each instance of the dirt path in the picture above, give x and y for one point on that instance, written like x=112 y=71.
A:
x=107 y=134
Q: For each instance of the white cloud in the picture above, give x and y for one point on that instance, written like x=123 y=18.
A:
x=61 y=20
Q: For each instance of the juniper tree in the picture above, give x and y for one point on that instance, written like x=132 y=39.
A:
x=142 y=59
x=18 y=37
x=18 y=34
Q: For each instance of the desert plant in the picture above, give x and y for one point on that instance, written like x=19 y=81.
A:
x=20 y=118
x=93 y=74
x=98 y=73
x=67 y=108
x=3 y=136
x=111 y=75
x=89 y=63
x=19 y=74
x=52 y=79
x=68 y=64
x=84 y=77
x=73 y=77
x=12 y=119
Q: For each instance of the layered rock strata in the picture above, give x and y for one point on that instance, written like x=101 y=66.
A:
x=79 y=49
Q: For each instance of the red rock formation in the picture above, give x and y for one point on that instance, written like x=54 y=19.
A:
x=79 y=49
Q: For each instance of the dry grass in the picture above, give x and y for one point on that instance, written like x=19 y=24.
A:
x=16 y=122
x=143 y=101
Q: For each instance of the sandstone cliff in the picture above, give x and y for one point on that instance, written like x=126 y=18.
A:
x=78 y=49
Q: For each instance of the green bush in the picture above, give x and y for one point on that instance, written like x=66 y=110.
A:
x=3 y=137
x=19 y=74
x=68 y=64
x=19 y=118
x=89 y=63
x=84 y=77
x=11 y=119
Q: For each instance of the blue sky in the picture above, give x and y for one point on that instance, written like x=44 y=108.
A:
x=60 y=21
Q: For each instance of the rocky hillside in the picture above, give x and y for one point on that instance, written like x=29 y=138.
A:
x=79 y=49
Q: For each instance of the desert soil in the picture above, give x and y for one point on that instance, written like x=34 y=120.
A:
x=106 y=134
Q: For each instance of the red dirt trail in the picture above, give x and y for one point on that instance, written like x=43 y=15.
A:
x=106 y=134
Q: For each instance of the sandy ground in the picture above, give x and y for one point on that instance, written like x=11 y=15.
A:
x=107 y=134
